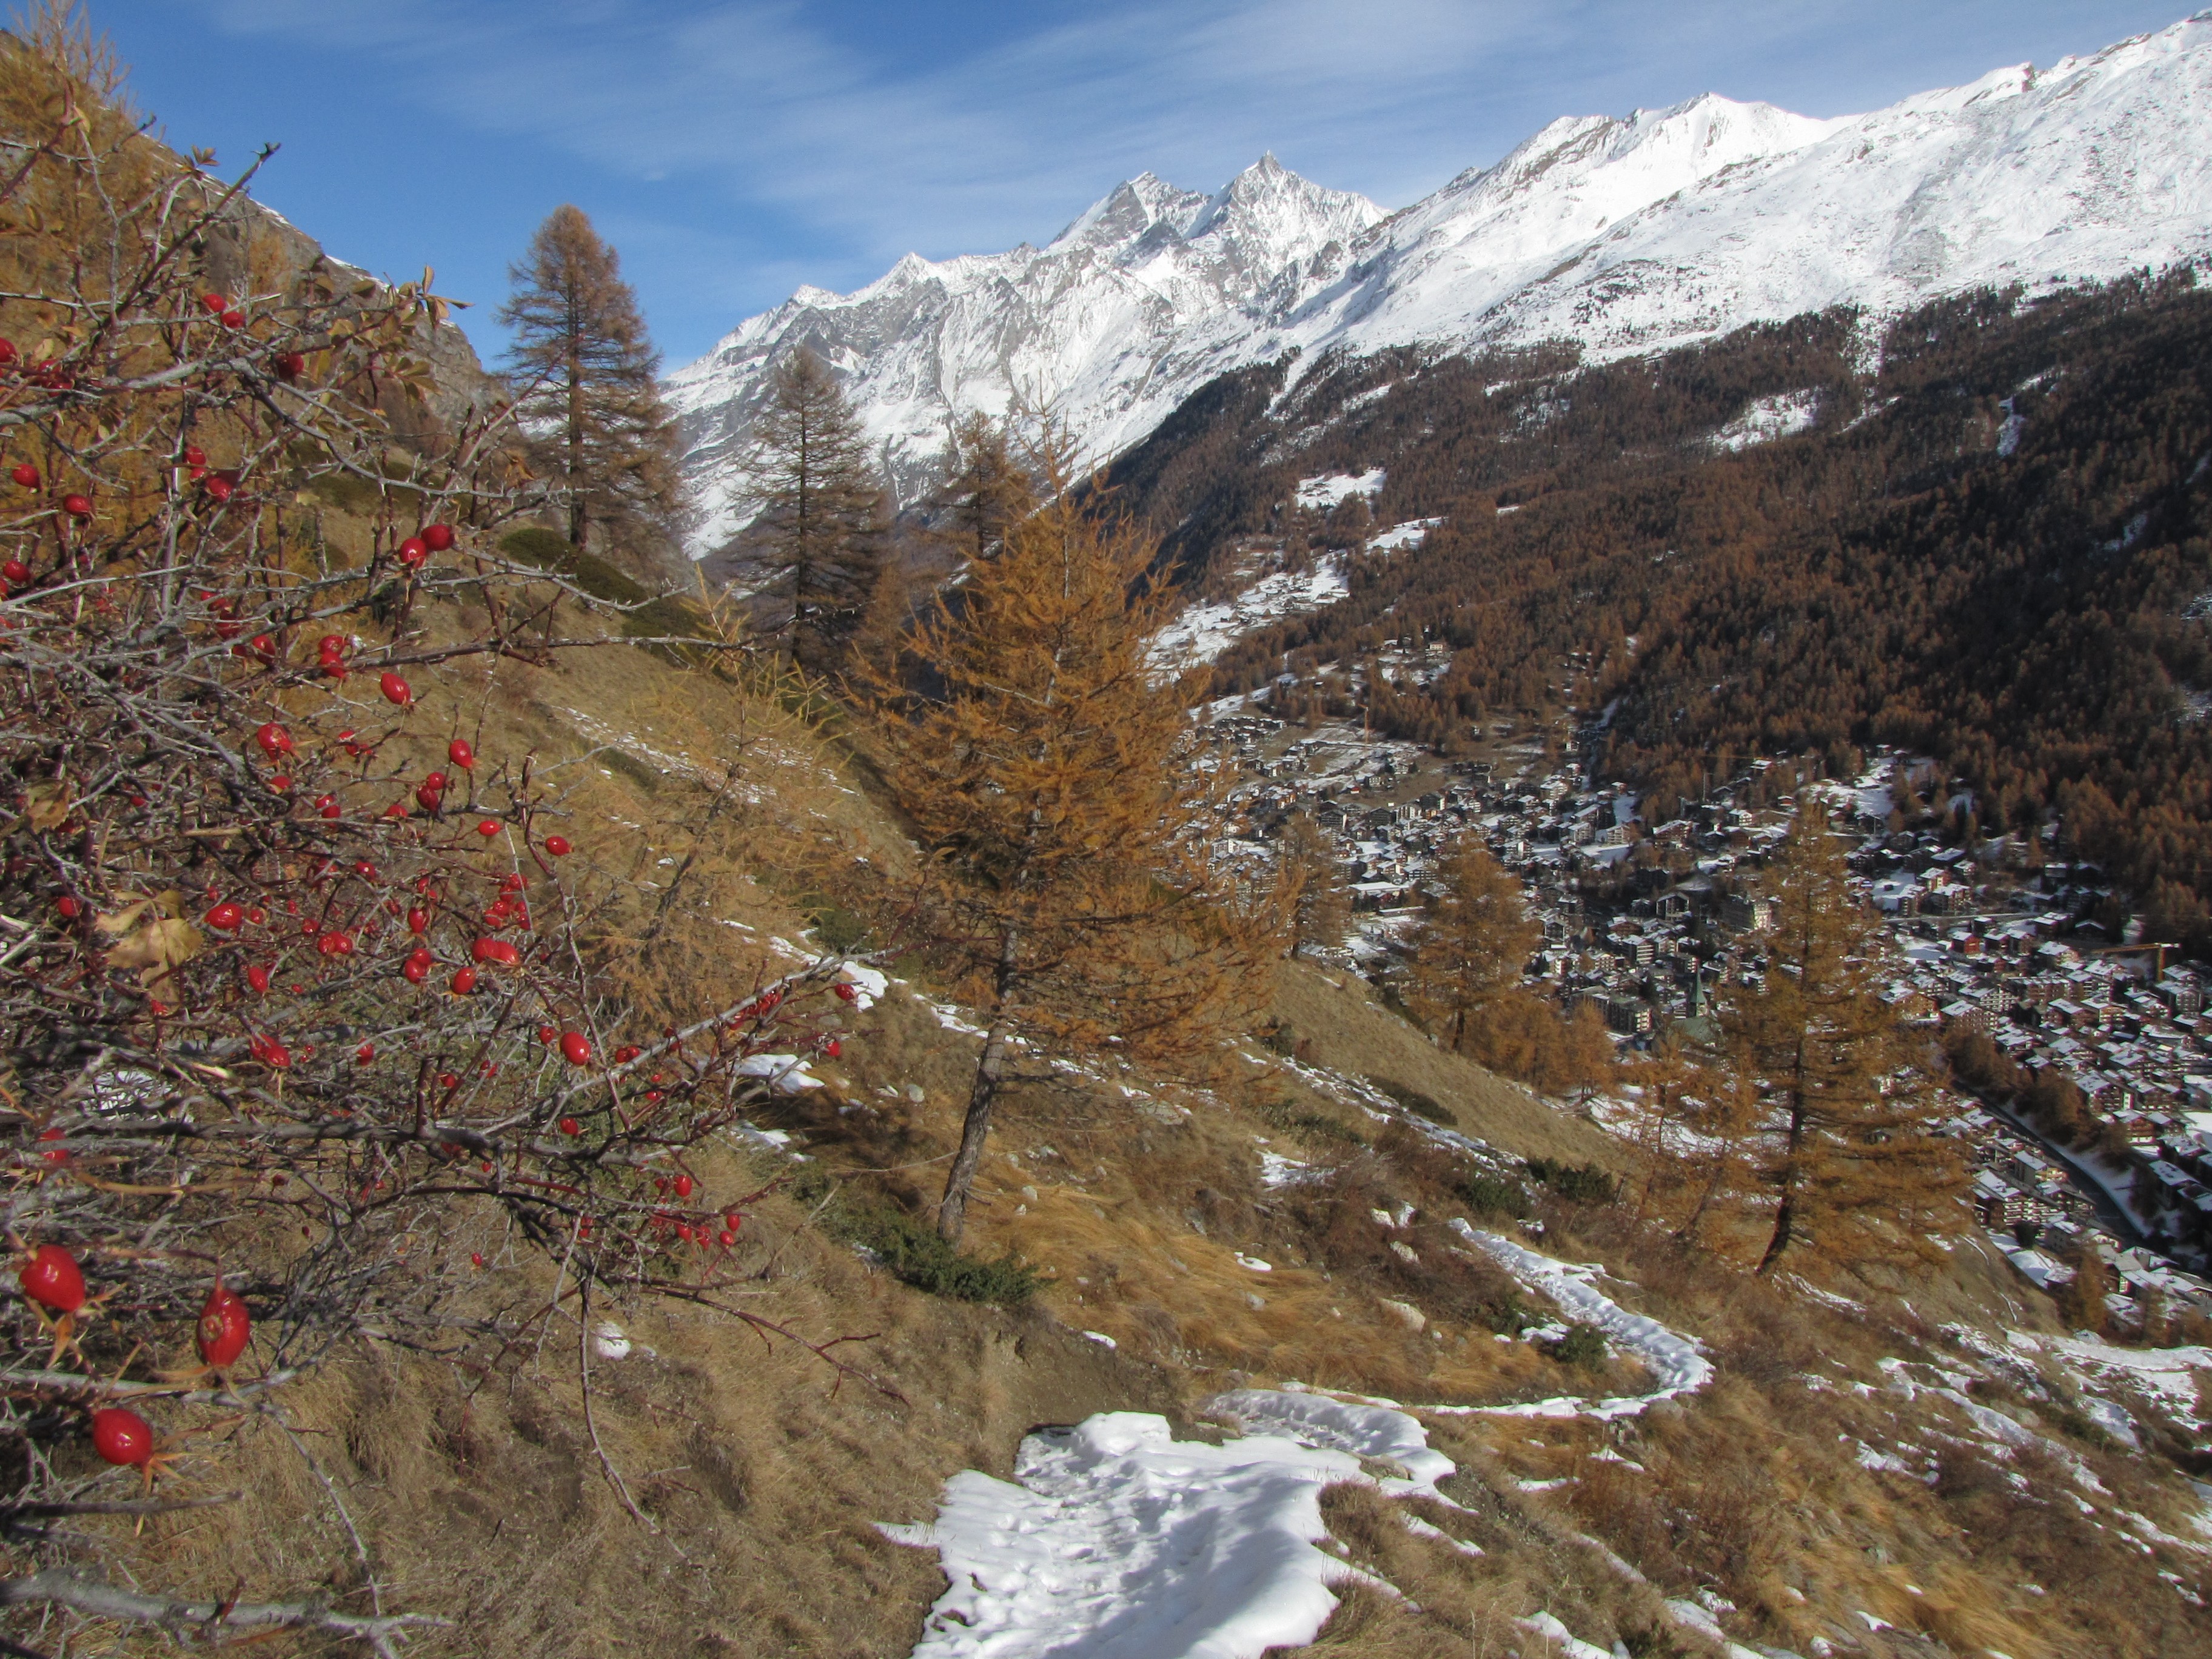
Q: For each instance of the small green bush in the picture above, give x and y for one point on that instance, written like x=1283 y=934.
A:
x=1578 y=1184
x=1491 y=1194
x=910 y=1248
x=1510 y=1318
x=913 y=1251
x=1582 y=1345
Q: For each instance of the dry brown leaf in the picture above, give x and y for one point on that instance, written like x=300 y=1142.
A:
x=46 y=805
x=163 y=940
x=162 y=943
x=123 y=921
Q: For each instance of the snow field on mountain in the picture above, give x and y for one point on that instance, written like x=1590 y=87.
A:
x=1627 y=236
x=1333 y=489
x=1203 y=632
x=1400 y=537
x=1784 y=414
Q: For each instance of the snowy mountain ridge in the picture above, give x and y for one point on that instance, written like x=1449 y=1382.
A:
x=1626 y=235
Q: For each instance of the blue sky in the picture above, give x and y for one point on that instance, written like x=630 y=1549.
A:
x=733 y=150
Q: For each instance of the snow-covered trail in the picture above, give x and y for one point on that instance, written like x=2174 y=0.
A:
x=1116 y=1541
x=1675 y=1365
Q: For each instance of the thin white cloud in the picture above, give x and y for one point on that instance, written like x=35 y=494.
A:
x=755 y=101
x=757 y=106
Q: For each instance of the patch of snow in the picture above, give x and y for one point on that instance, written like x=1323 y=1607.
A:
x=787 y=1074
x=1276 y=1170
x=1421 y=1529
x=949 y=1015
x=1676 y=1365
x=1203 y=632
x=2168 y=1376
x=1102 y=1339
x=1689 y=1614
x=1884 y=1462
x=1116 y=1540
x=1564 y=1640
x=1372 y=1433
x=869 y=985
x=1783 y=415
x=1412 y=533
x=2112 y=1419
x=1333 y=489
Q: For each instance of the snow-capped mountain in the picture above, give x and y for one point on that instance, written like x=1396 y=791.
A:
x=1627 y=235
x=1088 y=324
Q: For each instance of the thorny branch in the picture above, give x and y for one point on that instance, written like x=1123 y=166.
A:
x=284 y=1015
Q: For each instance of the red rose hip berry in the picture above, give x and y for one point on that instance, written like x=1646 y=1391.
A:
x=122 y=1437
x=53 y=1281
x=225 y=1328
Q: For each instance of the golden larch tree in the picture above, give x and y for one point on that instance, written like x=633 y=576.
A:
x=1474 y=940
x=1067 y=880
x=1847 y=1155
x=1309 y=886
x=817 y=547
x=588 y=382
x=985 y=489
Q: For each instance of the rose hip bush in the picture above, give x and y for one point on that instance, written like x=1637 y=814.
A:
x=289 y=1018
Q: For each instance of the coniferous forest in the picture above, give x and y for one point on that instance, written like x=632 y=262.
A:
x=1989 y=546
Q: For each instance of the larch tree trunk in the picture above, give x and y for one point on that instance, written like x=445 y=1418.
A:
x=577 y=524
x=975 y=1126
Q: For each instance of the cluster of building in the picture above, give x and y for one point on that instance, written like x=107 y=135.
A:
x=1649 y=921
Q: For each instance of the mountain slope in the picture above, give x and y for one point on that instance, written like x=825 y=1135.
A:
x=1622 y=236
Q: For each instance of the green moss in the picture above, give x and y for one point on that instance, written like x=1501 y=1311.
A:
x=1284 y=1115
x=837 y=928
x=1414 y=1101
x=625 y=764
x=536 y=545
x=361 y=497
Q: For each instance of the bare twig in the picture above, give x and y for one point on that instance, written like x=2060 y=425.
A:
x=184 y=1621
